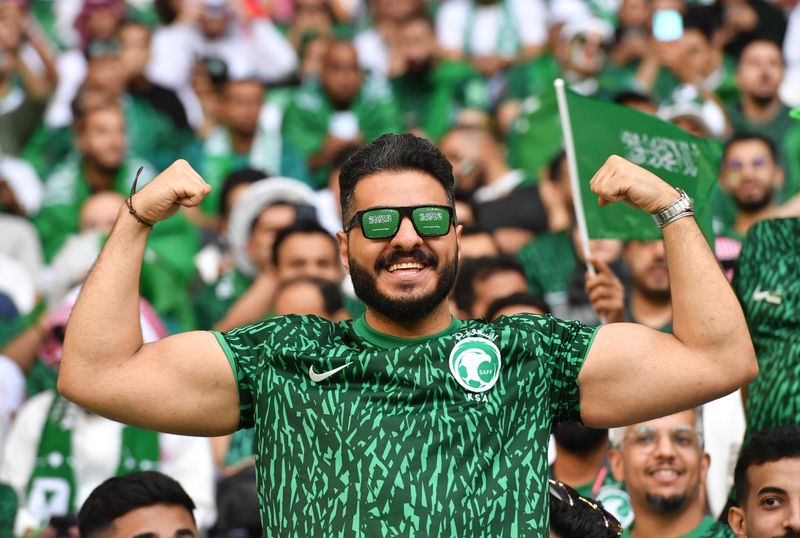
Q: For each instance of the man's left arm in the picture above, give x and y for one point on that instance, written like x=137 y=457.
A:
x=633 y=373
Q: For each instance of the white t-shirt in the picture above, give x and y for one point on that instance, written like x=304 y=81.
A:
x=482 y=30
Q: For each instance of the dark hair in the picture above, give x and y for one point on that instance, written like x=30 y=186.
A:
x=393 y=153
x=419 y=16
x=575 y=515
x=519 y=298
x=122 y=494
x=341 y=156
x=696 y=19
x=767 y=446
x=776 y=44
x=166 y=14
x=243 y=176
x=628 y=97
x=331 y=294
x=300 y=226
x=556 y=166
x=745 y=136
x=477 y=269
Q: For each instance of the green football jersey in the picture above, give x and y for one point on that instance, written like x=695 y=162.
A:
x=362 y=434
x=767 y=282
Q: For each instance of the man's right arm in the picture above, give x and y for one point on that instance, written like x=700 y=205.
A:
x=181 y=384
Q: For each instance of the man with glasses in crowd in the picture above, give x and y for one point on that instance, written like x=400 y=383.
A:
x=663 y=466
x=405 y=420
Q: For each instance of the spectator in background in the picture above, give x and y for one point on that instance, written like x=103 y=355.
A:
x=582 y=53
x=738 y=22
x=663 y=467
x=56 y=452
x=143 y=503
x=492 y=35
x=504 y=200
x=251 y=47
x=516 y=303
x=246 y=138
x=379 y=46
x=767 y=480
x=307 y=295
x=97 y=21
x=751 y=175
x=434 y=94
x=23 y=91
x=482 y=280
x=477 y=243
x=650 y=301
x=343 y=110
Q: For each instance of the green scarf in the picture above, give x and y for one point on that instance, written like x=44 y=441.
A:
x=52 y=486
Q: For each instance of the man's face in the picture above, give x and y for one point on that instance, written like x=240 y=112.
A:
x=107 y=72
x=760 y=71
x=662 y=463
x=135 y=40
x=772 y=508
x=102 y=140
x=497 y=285
x=302 y=298
x=418 y=45
x=405 y=277
x=463 y=149
x=102 y=23
x=648 y=265
x=341 y=75
x=156 y=521
x=214 y=21
x=241 y=105
x=696 y=51
x=750 y=175
x=587 y=53
x=267 y=224
x=311 y=254
x=99 y=212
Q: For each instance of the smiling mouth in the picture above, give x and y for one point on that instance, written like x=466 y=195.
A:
x=406 y=265
x=665 y=474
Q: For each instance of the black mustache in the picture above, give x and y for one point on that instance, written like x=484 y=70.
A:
x=396 y=256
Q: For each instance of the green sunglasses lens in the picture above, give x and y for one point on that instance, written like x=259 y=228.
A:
x=432 y=221
x=380 y=223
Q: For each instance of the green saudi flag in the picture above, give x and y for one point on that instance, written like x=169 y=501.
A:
x=601 y=129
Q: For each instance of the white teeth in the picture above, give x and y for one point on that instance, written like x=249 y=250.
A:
x=407 y=265
x=666 y=473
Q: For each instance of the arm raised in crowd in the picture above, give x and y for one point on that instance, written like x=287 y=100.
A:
x=633 y=373
x=181 y=384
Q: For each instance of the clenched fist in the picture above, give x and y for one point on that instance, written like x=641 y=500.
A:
x=621 y=180
x=178 y=185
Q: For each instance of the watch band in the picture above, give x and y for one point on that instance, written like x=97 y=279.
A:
x=682 y=207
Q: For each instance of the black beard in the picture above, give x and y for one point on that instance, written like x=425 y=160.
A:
x=403 y=311
x=579 y=439
x=666 y=505
x=754 y=206
x=791 y=534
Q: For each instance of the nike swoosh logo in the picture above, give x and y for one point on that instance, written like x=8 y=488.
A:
x=768 y=296
x=316 y=378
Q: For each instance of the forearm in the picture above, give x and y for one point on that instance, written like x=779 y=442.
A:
x=251 y=307
x=706 y=314
x=22 y=349
x=104 y=328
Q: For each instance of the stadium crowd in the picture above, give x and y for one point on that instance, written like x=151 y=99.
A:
x=267 y=99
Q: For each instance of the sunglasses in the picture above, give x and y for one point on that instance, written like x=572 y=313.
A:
x=569 y=496
x=384 y=222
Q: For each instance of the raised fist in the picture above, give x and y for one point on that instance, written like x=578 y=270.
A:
x=621 y=180
x=178 y=185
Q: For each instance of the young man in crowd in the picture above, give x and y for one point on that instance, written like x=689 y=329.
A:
x=146 y=503
x=767 y=479
x=327 y=399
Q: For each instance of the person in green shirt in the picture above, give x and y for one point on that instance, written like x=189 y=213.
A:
x=663 y=467
x=246 y=138
x=102 y=162
x=434 y=94
x=405 y=420
x=343 y=109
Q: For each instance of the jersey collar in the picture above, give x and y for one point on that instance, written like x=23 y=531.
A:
x=387 y=341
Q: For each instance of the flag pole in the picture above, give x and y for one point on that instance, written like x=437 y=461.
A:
x=572 y=167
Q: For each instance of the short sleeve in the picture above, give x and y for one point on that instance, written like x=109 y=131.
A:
x=246 y=347
x=561 y=346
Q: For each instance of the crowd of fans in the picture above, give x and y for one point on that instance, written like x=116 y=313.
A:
x=267 y=99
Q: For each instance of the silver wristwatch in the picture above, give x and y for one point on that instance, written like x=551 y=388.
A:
x=682 y=207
